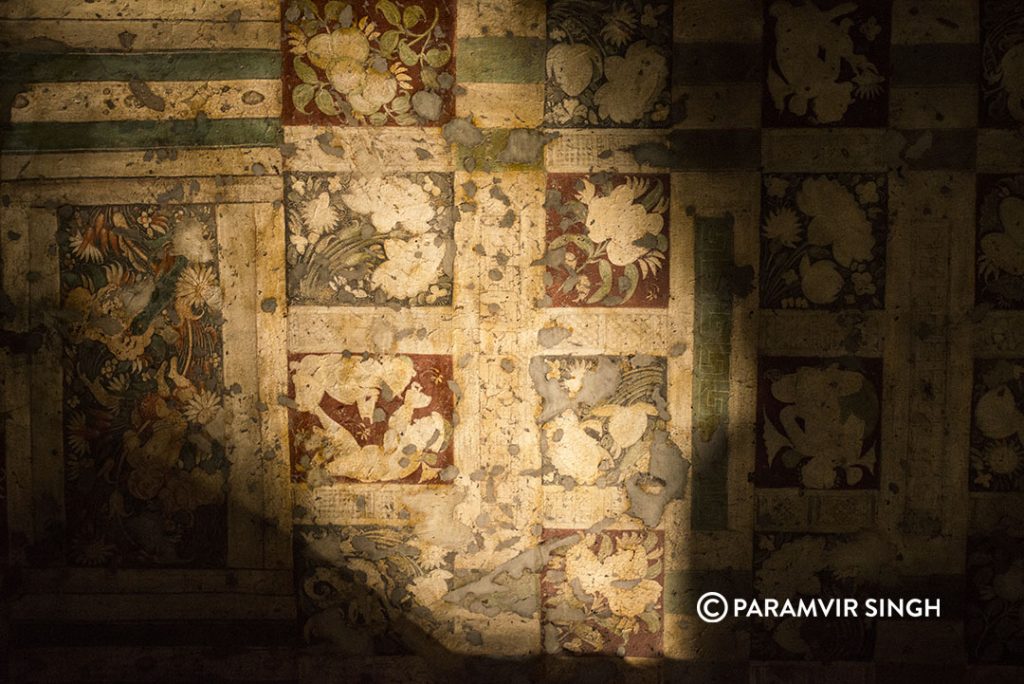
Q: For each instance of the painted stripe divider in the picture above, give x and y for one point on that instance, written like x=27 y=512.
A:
x=118 y=100
x=205 y=65
x=93 y=35
x=113 y=10
x=111 y=135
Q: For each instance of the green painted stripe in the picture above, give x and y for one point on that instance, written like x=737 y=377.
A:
x=152 y=66
x=712 y=340
x=116 y=135
x=509 y=59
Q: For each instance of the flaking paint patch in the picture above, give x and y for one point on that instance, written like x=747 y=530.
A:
x=552 y=336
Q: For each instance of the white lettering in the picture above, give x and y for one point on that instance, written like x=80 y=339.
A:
x=819 y=607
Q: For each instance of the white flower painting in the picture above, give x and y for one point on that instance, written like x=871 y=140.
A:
x=608 y=63
x=365 y=241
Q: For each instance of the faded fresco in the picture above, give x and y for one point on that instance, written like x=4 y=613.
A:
x=143 y=421
x=819 y=422
x=1000 y=250
x=368 y=63
x=607 y=64
x=823 y=242
x=826 y=63
x=475 y=340
x=368 y=241
x=1002 y=64
x=366 y=419
x=594 y=227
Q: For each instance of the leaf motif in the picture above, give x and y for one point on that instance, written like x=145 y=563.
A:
x=586 y=195
x=581 y=241
x=654 y=570
x=630 y=273
x=438 y=57
x=305 y=72
x=302 y=95
x=405 y=119
x=325 y=103
x=429 y=77
x=401 y=104
x=413 y=15
x=311 y=27
x=388 y=42
x=345 y=18
x=605 y=549
x=378 y=118
x=651 y=621
x=605 y=268
x=333 y=10
x=390 y=12
x=406 y=54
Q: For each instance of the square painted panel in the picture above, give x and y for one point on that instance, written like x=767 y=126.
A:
x=994 y=601
x=607 y=240
x=823 y=241
x=145 y=462
x=997 y=418
x=600 y=416
x=355 y=582
x=368 y=62
x=603 y=593
x=818 y=422
x=363 y=418
x=608 y=65
x=826 y=63
x=1002 y=64
x=999 y=280
x=365 y=241
x=816 y=566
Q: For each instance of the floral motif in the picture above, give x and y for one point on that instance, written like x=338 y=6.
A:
x=997 y=426
x=602 y=593
x=995 y=600
x=607 y=240
x=600 y=416
x=143 y=426
x=370 y=419
x=370 y=241
x=818 y=423
x=368 y=62
x=826 y=60
x=1002 y=63
x=1000 y=249
x=608 y=68
x=823 y=241
x=815 y=566
x=355 y=582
